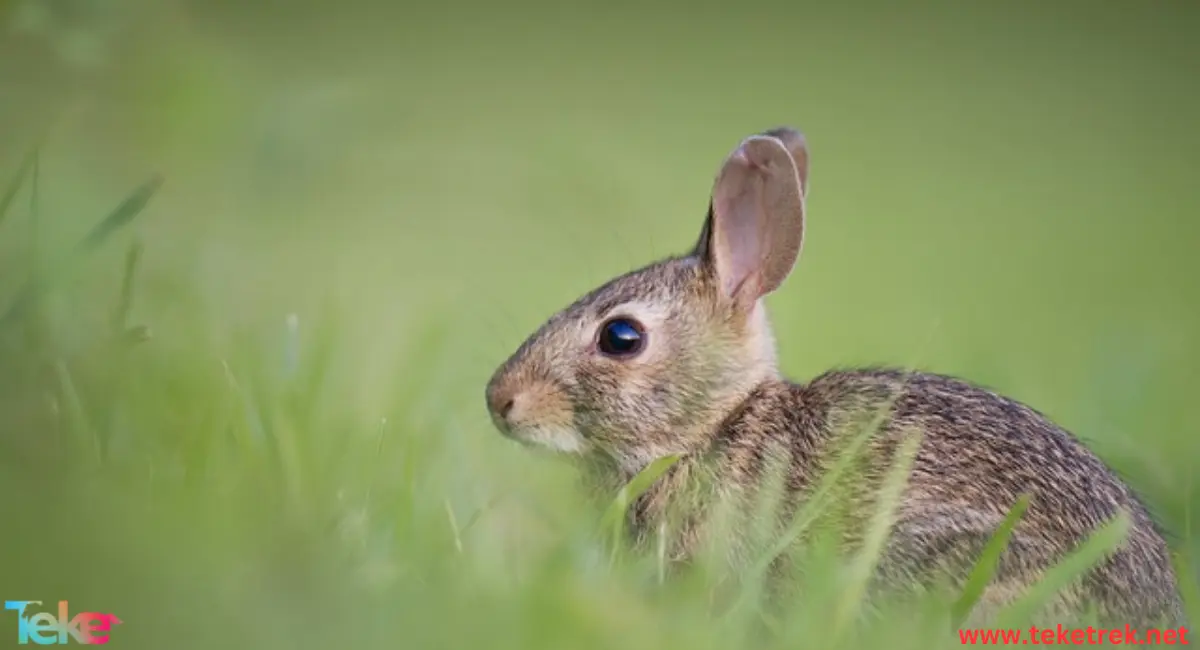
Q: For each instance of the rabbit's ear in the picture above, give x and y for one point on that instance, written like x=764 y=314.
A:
x=755 y=224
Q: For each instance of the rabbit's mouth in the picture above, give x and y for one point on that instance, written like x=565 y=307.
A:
x=563 y=440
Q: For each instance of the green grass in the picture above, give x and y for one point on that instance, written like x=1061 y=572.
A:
x=249 y=413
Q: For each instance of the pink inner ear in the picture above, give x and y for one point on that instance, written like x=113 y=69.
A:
x=738 y=237
x=758 y=219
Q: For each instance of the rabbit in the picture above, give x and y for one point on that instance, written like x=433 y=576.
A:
x=678 y=358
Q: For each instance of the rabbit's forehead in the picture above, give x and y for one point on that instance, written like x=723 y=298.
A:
x=650 y=310
x=657 y=290
x=651 y=299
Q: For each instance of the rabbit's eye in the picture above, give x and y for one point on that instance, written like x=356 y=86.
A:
x=621 y=337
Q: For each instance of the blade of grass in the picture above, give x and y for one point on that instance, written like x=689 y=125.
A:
x=122 y=215
x=122 y=337
x=764 y=523
x=615 y=515
x=28 y=164
x=120 y=317
x=458 y=546
x=81 y=431
x=1094 y=549
x=1189 y=591
x=983 y=571
x=35 y=212
x=814 y=504
x=809 y=512
x=878 y=532
x=312 y=353
x=660 y=553
x=284 y=441
x=377 y=459
x=478 y=514
x=816 y=501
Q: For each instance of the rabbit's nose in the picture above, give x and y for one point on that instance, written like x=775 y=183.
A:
x=504 y=408
x=500 y=401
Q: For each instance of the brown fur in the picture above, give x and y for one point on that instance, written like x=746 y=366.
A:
x=706 y=387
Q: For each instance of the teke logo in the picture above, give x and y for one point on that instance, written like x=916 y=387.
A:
x=45 y=629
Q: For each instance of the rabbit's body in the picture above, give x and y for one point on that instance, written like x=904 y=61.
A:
x=978 y=453
x=679 y=358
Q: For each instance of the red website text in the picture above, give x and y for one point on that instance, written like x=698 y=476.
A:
x=1060 y=635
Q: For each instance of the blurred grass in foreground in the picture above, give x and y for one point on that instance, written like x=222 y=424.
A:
x=367 y=207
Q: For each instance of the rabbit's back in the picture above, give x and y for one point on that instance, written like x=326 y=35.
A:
x=979 y=452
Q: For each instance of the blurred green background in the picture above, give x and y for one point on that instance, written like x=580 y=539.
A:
x=1004 y=191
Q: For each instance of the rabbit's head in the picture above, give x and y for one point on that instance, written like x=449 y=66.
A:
x=651 y=363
